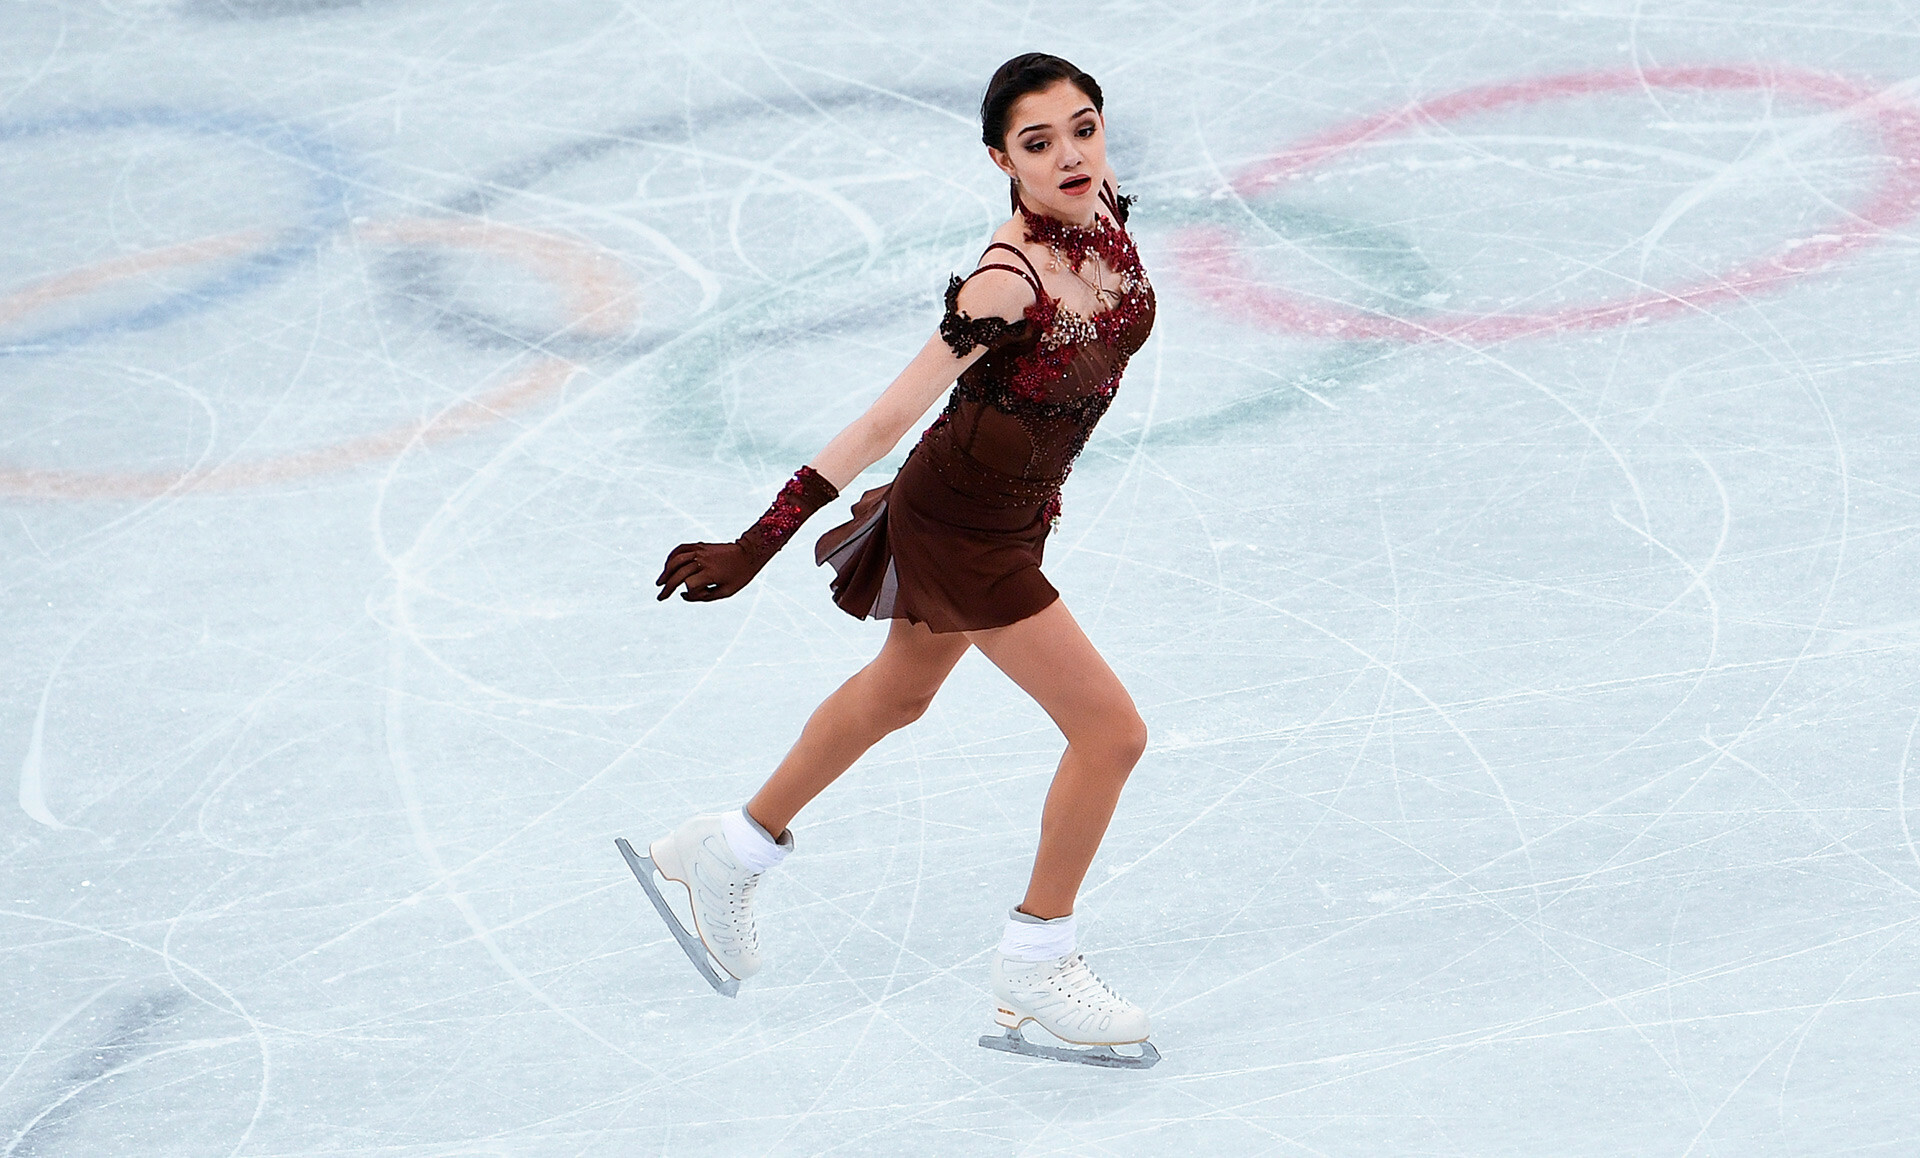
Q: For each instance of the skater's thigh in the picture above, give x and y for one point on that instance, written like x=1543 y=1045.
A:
x=915 y=660
x=1054 y=662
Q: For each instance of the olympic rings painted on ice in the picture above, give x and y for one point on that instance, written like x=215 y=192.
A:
x=599 y=297
x=325 y=210
x=476 y=327
x=1214 y=268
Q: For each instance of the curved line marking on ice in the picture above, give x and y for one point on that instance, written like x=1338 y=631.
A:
x=27 y=1054
x=423 y=840
x=33 y=796
x=1901 y=797
x=173 y=963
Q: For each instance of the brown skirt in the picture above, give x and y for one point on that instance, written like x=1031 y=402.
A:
x=955 y=546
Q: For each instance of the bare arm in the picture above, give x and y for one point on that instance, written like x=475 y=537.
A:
x=717 y=570
x=870 y=437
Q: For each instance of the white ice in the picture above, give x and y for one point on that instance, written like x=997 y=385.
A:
x=1533 y=709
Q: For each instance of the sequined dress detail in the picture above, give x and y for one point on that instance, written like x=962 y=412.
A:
x=955 y=541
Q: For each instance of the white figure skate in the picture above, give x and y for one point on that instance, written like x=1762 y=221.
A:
x=1064 y=998
x=720 y=889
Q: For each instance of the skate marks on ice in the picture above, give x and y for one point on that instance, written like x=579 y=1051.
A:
x=1864 y=121
x=1688 y=931
x=110 y=1068
x=695 y=949
x=586 y=184
x=242 y=10
x=156 y=156
x=250 y=247
x=576 y=234
x=125 y=1043
x=1015 y=1042
x=597 y=297
x=1375 y=265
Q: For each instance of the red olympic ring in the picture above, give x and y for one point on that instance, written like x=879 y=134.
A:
x=600 y=299
x=1214 y=268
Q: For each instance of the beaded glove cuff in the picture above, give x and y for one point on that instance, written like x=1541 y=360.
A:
x=806 y=492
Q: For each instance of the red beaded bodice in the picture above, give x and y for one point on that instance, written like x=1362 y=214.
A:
x=1026 y=408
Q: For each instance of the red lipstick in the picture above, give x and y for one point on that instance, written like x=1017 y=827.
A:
x=1079 y=183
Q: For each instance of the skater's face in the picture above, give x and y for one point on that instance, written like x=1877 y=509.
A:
x=1056 y=147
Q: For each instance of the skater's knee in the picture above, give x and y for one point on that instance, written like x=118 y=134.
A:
x=895 y=708
x=1118 y=740
x=886 y=702
x=1130 y=740
x=907 y=709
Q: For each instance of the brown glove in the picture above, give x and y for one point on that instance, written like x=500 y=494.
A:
x=716 y=570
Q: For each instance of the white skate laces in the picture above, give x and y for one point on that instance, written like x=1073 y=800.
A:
x=726 y=919
x=720 y=885
x=1067 y=999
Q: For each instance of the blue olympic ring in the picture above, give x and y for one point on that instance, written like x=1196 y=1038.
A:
x=324 y=211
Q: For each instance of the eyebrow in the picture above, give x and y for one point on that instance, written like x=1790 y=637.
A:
x=1036 y=128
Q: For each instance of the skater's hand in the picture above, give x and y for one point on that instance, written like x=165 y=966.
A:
x=710 y=570
x=716 y=570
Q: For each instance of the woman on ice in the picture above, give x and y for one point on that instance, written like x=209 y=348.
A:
x=1037 y=337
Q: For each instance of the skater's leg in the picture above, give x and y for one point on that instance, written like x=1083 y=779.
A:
x=719 y=859
x=884 y=696
x=1054 y=662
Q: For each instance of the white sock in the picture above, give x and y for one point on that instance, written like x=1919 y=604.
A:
x=1028 y=938
x=755 y=847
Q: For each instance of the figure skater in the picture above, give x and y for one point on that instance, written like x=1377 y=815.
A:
x=1037 y=337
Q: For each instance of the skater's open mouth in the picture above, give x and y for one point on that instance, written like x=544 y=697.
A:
x=1076 y=184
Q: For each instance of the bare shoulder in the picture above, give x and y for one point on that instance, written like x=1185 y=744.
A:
x=1013 y=231
x=995 y=293
x=1001 y=292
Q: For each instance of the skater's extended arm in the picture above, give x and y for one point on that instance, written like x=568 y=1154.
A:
x=716 y=570
x=870 y=437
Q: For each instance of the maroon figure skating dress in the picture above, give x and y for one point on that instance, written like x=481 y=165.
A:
x=955 y=540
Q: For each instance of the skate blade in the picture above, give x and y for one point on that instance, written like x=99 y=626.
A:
x=695 y=949
x=1013 y=1041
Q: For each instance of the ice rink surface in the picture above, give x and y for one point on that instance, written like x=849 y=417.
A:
x=1509 y=535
